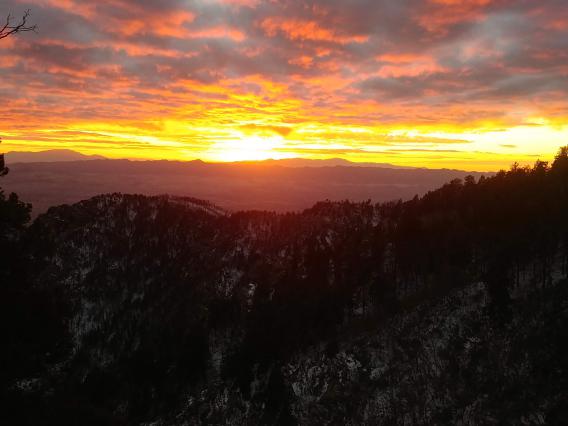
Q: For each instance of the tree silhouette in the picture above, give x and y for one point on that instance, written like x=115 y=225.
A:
x=3 y=168
x=21 y=26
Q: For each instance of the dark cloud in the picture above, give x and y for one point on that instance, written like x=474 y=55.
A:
x=215 y=39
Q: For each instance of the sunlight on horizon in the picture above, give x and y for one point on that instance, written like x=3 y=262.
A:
x=494 y=149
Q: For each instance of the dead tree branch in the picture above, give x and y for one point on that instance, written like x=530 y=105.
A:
x=9 y=28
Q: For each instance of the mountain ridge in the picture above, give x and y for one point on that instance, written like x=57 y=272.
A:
x=68 y=155
x=52 y=155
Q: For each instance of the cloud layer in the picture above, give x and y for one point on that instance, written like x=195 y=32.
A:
x=403 y=81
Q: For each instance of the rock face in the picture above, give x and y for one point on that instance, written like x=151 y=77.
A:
x=128 y=309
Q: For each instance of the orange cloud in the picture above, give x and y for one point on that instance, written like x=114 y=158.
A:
x=408 y=65
x=219 y=32
x=445 y=13
x=298 y=29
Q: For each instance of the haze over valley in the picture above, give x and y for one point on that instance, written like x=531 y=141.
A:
x=281 y=185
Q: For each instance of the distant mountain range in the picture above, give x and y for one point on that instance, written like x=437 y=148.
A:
x=49 y=156
x=281 y=186
x=328 y=162
x=61 y=155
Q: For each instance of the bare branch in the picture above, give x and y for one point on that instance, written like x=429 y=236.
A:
x=22 y=26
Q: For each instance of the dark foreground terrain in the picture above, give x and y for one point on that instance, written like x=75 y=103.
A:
x=446 y=309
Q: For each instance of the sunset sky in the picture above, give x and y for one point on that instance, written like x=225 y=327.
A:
x=473 y=84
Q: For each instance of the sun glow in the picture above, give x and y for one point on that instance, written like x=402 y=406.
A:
x=248 y=148
x=485 y=148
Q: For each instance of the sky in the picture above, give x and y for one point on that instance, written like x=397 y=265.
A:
x=472 y=84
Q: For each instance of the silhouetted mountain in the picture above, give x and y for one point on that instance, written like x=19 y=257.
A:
x=52 y=155
x=445 y=309
x=234 y=186
x=328 y=162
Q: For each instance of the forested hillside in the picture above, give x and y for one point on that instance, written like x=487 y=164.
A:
x=446 y=309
